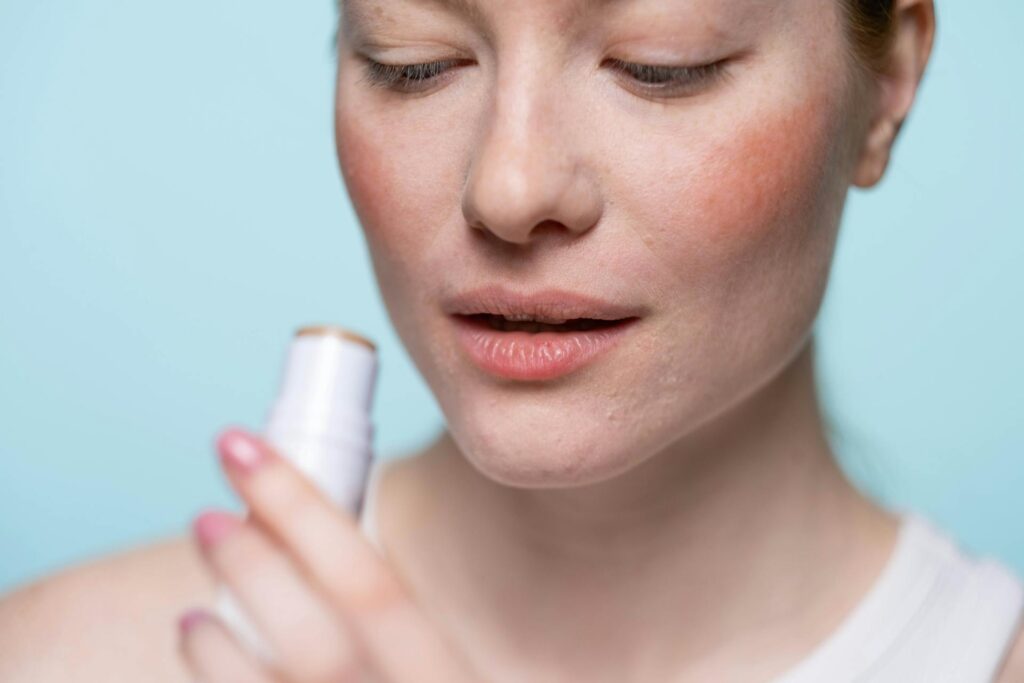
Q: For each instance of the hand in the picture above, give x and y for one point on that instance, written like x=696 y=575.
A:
x=326 y=602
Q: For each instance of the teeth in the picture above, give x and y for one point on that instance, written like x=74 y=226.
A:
x=522 y=317
x=498 y=322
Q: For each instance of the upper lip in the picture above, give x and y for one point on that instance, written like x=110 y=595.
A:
x=548 y=305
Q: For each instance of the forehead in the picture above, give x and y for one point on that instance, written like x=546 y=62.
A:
x=483 y=11
x=474 y=9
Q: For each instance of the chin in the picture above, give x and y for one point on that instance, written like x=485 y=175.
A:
x=536 y=447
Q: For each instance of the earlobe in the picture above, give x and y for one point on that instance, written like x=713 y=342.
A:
x=875 y=153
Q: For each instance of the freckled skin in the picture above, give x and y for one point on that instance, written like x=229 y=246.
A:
x=535 y=167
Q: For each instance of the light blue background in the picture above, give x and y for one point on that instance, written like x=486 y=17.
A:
x=171 y=209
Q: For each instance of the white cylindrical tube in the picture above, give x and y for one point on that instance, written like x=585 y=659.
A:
x=321 y=422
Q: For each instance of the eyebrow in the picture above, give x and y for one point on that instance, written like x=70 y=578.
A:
x=467 y=8
x=472 y=11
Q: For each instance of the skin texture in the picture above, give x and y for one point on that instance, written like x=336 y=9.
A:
x=672 y=512
x=726 y=201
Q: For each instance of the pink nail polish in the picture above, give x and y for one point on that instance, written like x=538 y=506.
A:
x=239 y=450
x=189 y=619
x=211 y=526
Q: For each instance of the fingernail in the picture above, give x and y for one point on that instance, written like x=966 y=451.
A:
x=189 y=619
x=239 y=450
x=211 y=526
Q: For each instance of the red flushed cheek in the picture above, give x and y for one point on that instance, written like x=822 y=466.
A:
x=734 y=192
x=368 y=174
x=767 y=177
x=402 y=172
x=374 y=178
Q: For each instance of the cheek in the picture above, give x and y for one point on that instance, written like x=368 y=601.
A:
x=374 y=178
x=365 y=170
x=711 y=205
x=739 y=223
x=402 y=199
x=768 y=176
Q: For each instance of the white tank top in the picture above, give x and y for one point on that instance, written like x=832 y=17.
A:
x=935 y=614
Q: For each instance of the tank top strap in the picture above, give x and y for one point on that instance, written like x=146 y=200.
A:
x=936 y=613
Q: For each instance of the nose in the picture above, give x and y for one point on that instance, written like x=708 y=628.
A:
x=528 y=173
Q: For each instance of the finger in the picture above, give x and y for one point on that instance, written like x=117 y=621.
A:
x=212 y=655
x=308 y=641
x=325 y=541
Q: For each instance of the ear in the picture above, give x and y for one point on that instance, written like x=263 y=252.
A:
x=896 y=86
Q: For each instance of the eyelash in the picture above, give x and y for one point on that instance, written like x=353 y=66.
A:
x=653 y=79
x=405 y=77
x=656 y=78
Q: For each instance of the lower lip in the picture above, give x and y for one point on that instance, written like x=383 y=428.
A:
x=535 y=356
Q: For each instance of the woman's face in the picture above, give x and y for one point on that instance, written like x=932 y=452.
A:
x=534 y=162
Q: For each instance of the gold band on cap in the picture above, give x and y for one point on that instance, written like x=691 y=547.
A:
x=336 y=331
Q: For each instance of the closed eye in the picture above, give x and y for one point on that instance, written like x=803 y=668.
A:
x=669 y=81
x=651 y=79
x=407 y=77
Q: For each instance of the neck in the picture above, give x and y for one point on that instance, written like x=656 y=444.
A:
x=741 y=543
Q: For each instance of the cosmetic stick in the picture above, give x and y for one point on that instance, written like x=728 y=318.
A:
x=320 y=421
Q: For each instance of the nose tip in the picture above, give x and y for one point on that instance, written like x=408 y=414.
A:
x=517 y=204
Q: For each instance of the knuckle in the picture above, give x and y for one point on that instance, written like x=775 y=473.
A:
x=376 y=591
x=242 y=556
x=331 y=664
x=288 y=496
x=344 y=671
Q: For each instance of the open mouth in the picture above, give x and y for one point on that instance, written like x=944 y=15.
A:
x=527 y=349
x=501 y=323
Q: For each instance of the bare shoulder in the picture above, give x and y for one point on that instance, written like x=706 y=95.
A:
x=1012 y=670
x=111 y=619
